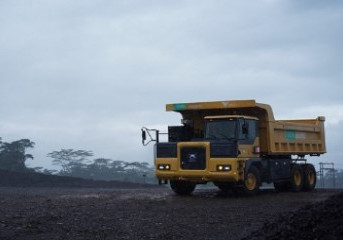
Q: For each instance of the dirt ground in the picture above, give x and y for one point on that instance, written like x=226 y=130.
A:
x=323 y=220
x=150 y=213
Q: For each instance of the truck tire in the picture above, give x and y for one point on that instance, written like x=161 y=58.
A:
x=297 y=178
x=182 y=187
x=252 y=182
x=310 y=177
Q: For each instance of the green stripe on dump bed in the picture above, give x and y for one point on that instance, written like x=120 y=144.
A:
x=179 y=106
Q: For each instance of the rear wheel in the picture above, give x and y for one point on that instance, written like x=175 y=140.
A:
x=310 y=177
x=297 y=178
x=182 y=187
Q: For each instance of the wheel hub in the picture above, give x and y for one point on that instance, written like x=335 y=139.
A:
x=250 y=182
x=297 y=178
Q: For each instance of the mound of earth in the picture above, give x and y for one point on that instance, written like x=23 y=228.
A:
x=323 y=220
x=32 y=179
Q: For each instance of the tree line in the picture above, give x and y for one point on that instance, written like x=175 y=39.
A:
x=75 y=163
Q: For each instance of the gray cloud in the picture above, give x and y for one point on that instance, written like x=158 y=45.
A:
x=88 y=74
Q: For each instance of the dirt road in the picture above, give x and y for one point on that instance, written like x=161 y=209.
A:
x=57 y=213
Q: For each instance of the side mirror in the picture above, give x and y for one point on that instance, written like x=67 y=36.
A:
x=143 y=136
x=145 y=132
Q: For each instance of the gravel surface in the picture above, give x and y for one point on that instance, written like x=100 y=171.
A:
x=151 y=213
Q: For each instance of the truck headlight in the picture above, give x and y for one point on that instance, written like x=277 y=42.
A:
x=163 y=167
x=223 y=168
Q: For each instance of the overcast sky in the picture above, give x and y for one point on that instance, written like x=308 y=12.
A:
x=87 y=74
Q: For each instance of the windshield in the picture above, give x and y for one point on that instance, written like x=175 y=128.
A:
x=220 y=129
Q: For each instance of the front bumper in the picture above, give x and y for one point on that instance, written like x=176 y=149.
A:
x=210 y=173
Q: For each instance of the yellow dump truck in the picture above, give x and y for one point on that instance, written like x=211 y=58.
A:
x=237 y=145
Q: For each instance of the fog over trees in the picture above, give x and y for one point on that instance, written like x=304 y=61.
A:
x=75 y=163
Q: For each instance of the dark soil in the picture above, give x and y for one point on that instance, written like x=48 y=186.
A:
x=323 y=220
x=53 y=213
x=127 y=212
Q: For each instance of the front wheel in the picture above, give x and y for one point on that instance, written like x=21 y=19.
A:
x=252 y=182
x=182 y=187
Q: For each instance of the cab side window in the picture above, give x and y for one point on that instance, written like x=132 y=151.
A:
x=242 y=129
x=252 y=133
x=247 y=129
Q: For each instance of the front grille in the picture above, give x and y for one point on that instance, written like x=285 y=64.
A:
x=193 y=158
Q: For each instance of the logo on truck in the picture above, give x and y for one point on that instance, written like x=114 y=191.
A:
x=192 y=157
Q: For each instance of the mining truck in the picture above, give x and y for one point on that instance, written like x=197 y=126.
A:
x=237 y=145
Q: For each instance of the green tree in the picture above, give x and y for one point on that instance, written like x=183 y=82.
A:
x=13 y=155
x=70 y=160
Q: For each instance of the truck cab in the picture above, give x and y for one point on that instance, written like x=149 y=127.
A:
x=218 y=155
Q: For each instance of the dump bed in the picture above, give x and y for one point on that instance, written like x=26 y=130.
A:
x=299 y=137
x=277 y=137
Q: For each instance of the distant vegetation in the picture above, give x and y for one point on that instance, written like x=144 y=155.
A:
x=75 y=163
x=13 y=155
